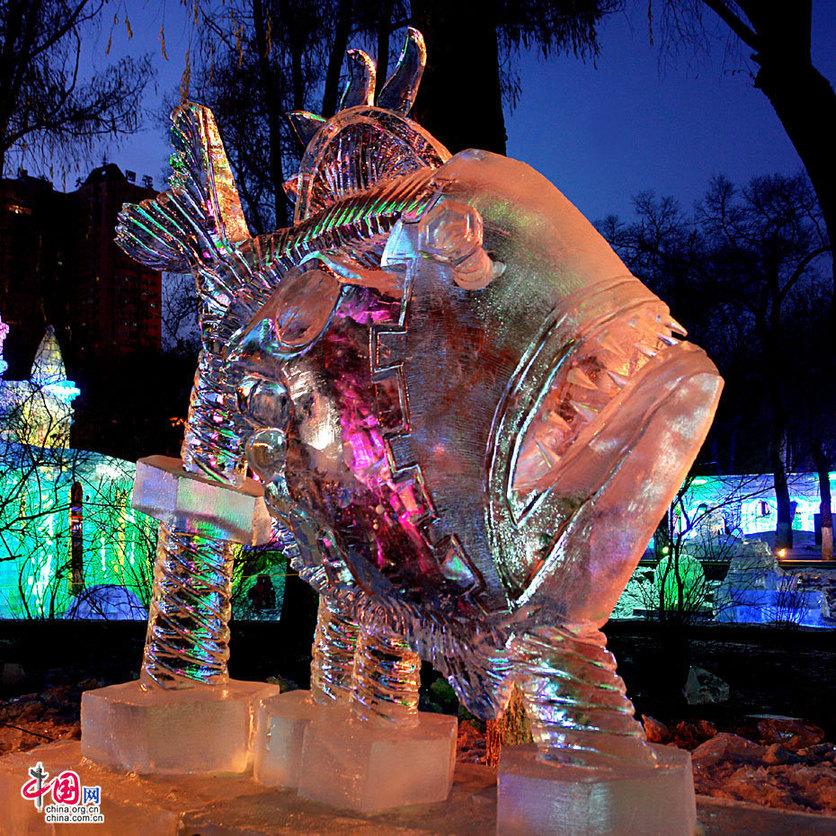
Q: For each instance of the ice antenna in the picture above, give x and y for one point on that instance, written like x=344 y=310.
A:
x=397 y=95
x=361 y=79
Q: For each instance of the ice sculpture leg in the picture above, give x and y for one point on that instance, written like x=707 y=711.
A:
x=580 y=715
x=282 y=722
x=188 y=620
x=383 y=753
x=387 y=676
x=357 y=739
x=591 y=770
x=334 y=648
x=161 y=723
x=535 y=797
x=199 y=505
x=202 y=521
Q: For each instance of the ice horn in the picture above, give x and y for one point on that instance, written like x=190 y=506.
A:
x=305 y=125
x=401 y=87
x=361 y=79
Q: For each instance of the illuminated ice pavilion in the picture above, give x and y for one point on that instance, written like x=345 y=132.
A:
x=66 y=525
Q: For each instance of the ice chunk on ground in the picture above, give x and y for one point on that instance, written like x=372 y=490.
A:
x=365 y=766
x=197 y=730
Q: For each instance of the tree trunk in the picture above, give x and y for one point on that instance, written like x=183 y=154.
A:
x=342 y=30
x=822 y=469
x=803 y=99
x=774 y=355
x=460 y=100
x=805 y=103
x=274 y=115
x=384 y=30
x=783 y=528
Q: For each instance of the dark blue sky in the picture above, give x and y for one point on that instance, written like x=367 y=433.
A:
x=601 y=132
x=604 y=133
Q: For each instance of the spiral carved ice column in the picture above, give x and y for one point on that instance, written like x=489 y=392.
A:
x=188 y=625
x=334 y=647
x=187 y=642
x=576 y=701
x=387 y=675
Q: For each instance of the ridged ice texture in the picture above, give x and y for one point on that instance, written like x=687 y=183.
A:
x=187 y=642
x=576 y=701
x=387 y=675
x=198 y=225
x=212 y=441
x=334 y=647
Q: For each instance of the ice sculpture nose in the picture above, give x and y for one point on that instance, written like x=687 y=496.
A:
x=266 y=454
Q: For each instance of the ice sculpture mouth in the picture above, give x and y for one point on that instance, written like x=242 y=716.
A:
x=593 y=380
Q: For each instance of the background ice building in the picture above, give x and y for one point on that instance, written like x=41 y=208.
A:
x=71 y=545
x=714 y=557
x=69 y=539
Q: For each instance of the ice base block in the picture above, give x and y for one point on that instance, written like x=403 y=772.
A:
x=197 y=730
x=235 y=805
x=536 y=797
x=227 y=805
x=366 y=767
x=281 y=723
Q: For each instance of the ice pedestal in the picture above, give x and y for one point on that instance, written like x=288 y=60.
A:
x=196 y=730
x=336 y=758
x=364 y=766
x=279 y=735
x=536 y=797
x=227 y=805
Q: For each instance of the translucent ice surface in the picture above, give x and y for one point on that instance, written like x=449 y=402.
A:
x=366 y=767
x=536 y=797
x=199 y=730
x=462 y=406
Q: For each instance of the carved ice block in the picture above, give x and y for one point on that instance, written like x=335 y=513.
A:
x=199 y=730
x=279 y=734
x=536 y=797
x=367 y=766
x=200 y=505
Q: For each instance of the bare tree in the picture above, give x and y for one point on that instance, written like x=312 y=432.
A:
x=471 y=77
x=777 y=35
x=179 y=314
x=769 y=243
x=45 y=105
x=691 y=534
x=262 y=58
x=734 y=273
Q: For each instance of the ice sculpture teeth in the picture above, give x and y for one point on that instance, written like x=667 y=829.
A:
x=601 y=368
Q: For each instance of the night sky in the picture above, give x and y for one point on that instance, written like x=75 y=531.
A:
x=602 y=132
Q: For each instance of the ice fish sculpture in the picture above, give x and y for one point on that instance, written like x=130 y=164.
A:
x=462 y=405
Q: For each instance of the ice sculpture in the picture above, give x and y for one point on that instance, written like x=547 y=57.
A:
x=462 y=405
x=4 y=330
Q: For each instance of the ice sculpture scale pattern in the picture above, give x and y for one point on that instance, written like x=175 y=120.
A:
x=462 y=406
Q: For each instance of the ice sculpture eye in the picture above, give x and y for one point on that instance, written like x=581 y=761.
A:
x=452 y=233
x=264 y=402
x=291 y=321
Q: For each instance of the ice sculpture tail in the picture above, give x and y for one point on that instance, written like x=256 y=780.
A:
x=194 y=227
